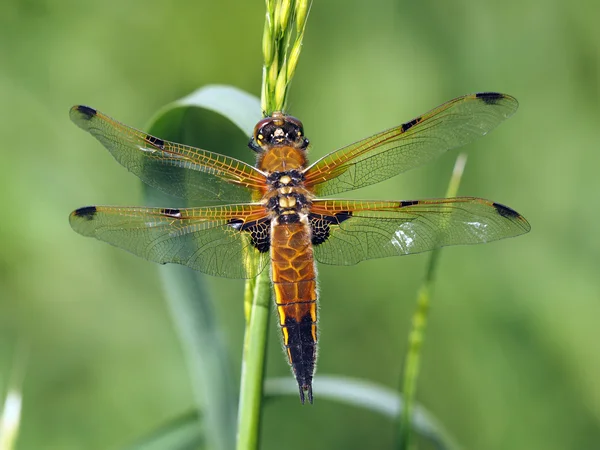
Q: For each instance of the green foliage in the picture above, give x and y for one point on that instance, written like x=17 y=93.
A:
x=511 y=346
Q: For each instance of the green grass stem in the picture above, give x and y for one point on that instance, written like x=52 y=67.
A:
x=253 y=362
x=419 y=324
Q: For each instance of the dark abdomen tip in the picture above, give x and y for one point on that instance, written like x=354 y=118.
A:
x=302 y=350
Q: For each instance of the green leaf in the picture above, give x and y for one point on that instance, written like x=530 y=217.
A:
x=367 y=395
x=220 y=119
x=238 y=107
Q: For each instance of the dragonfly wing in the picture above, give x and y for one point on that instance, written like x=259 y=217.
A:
x=176 y=169
x=409 y=145
x=227 y=241
x=346 y=232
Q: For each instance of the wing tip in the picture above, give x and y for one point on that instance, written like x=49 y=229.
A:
x=87 y=212
x=511 y=214
x=497 y=98
x=83 y=112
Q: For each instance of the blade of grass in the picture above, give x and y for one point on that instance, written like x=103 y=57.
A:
x=366 y=395
x=181 y=433
x=419 y=325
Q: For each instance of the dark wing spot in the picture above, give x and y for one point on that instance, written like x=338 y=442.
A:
x=408 y=203
x=505 y=211
x=408 y=125
x=490 y=98
x=260 y=232
x=342 y=216
x=87 y=112
x=87 y=212
x=320 y=225
x=155 y=141
x=171 y=212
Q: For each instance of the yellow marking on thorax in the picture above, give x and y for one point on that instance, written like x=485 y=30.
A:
x=287 y=202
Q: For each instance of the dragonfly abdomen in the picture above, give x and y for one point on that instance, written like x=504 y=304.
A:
x=295 y=287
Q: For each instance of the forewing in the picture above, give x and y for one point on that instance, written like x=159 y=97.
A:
x=177 y=169
x=352 y=231
x=218 y=241
x=409 y=145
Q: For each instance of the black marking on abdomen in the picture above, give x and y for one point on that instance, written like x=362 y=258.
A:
x=87 y=112
x=303 y=351
x=490 y=98
x=155 y=141
x=260 y=232
x=289 y=218
x=87 y=212
x=320 y=225
x=505 y=211
x=408 y=125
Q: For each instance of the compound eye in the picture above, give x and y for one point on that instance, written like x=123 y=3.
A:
x=259 y=134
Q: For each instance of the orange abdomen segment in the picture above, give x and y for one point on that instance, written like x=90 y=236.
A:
x=295 y=287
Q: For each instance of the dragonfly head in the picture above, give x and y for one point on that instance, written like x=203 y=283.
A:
x=279 y=130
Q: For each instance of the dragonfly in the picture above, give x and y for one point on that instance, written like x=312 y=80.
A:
x=273 y=214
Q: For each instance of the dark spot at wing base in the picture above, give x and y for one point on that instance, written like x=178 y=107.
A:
x=490 y=98
x=259 y=230
x=87 y=212
x=505 y=211
x=321 y=225
x=86 y=111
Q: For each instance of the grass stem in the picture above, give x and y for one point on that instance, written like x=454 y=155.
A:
x=253 y=363
x=419 y=324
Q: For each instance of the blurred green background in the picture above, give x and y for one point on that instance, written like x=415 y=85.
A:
x=511 y=358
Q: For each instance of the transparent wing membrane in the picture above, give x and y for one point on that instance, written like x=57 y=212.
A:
x=412 y=144
x=211 y=240
x=180 y=170
x=359 y=230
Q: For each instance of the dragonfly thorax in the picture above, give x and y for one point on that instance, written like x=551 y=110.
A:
x=287 y=196
x=288 y=178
